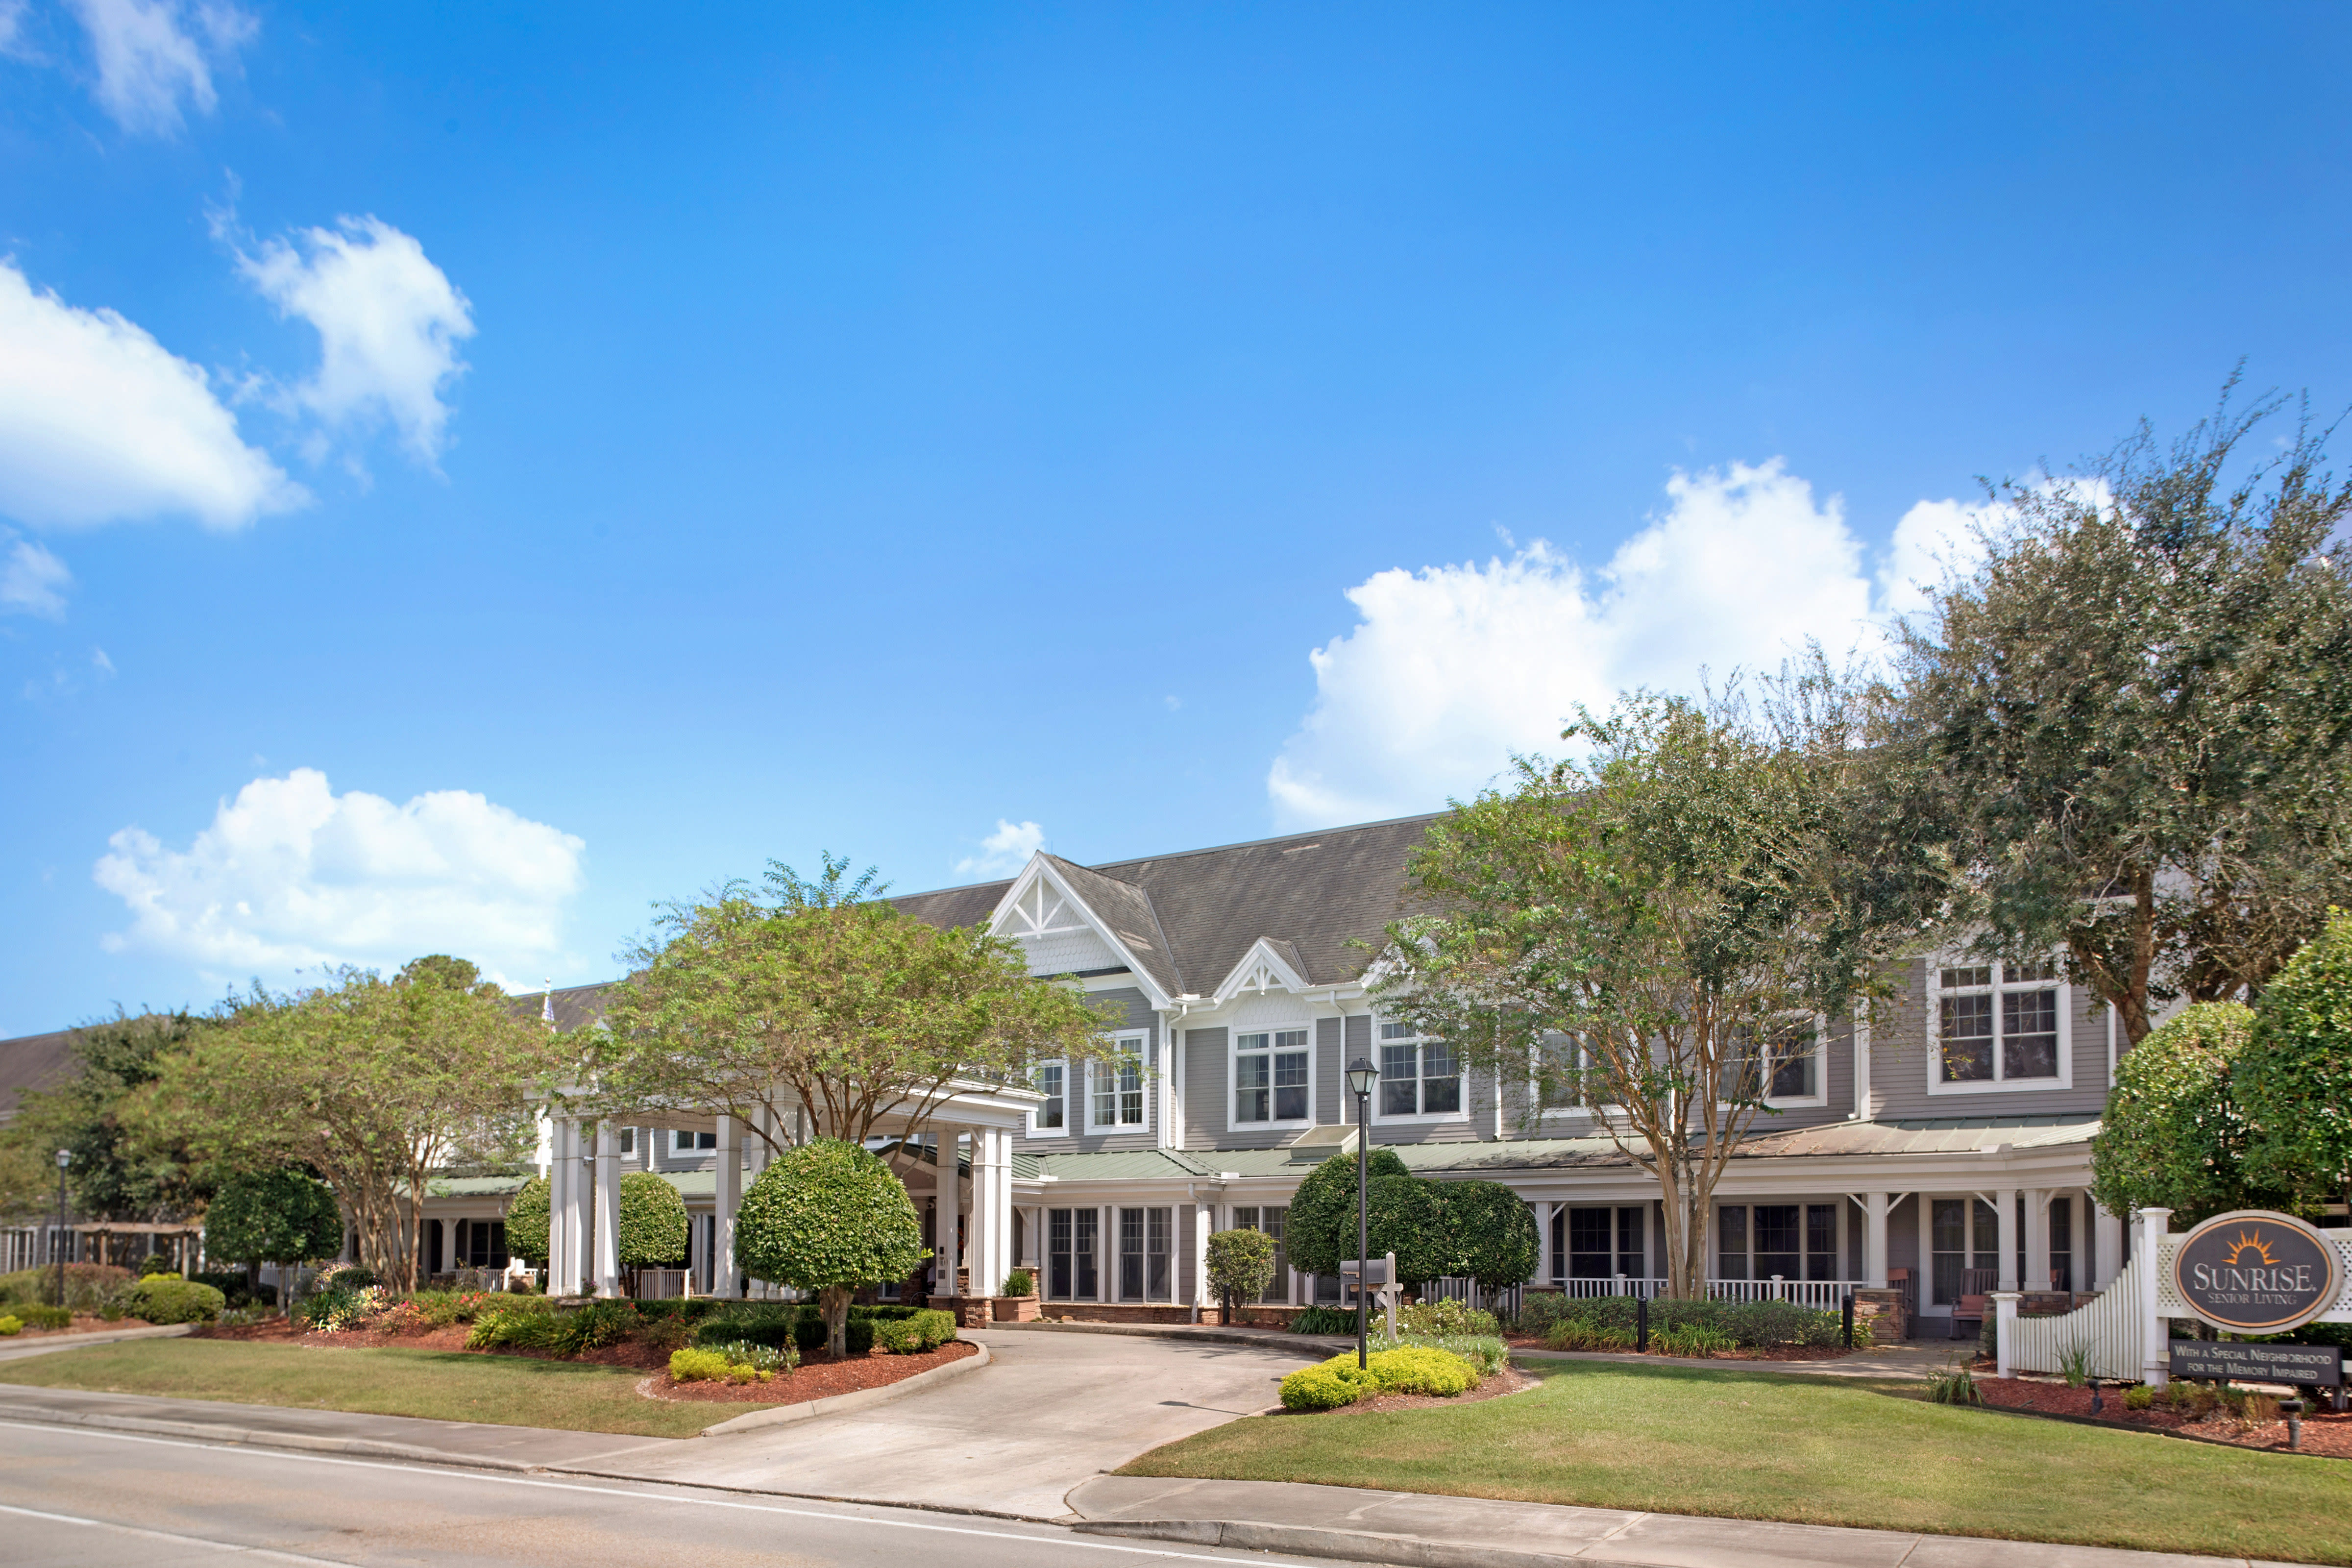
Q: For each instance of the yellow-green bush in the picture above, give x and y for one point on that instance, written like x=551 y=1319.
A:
x=697 y=1367
x=11 y=1326
x=1326 y=1385
x=1407 y=1369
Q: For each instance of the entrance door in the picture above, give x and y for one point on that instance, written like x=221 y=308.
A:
x=1962 y=1234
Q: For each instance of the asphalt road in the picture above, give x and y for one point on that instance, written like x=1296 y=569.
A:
x=97 y=1500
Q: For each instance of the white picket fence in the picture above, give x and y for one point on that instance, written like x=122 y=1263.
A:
x=2108 y=1327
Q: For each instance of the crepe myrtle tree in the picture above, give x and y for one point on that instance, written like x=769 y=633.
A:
x=814 y=1009
x=829 y=1217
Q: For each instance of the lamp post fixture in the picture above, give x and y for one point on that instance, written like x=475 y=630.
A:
x=65 y=1158
x=1361 y=1075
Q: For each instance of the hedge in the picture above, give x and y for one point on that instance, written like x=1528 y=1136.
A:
x=1748 y=1325
x=165 y=1299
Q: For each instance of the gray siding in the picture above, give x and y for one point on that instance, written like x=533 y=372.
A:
x=1837 y=1072
x=1330 y=1071
x=1205 y=1088
x=1901 y=1050
x=1135 y=1014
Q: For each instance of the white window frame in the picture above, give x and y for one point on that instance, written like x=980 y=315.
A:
x=625 y=1142
x=676 y=1149
x=2001 y=984
x=1381 y=1044
x=1821 y=1095
x=1135 y=1042
x=1233 y=1054
x=1064 y=1130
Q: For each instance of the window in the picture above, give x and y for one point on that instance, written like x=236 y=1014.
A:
x=1274 y=1222
x=1596 y=1243
x=482 y=1243
x=1999 y=1023
x=1070 y=1256
x=1143 y=1273
x=628 y=1141
x=1270 y=1075
x=684 y=1143
x=1116 y=1100
x=1731 y=1241
x=1783 y=1066
x=1962 y=1234
x=1788 y=1241
x=1418 y=1077
x=2061 y=1243
x=1050 y=1079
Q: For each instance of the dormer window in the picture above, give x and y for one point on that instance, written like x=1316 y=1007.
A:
x=1271 y=1076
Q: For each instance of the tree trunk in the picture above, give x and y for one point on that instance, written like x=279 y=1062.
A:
x=832 y=1306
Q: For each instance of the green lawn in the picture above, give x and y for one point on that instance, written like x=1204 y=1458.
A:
x=1744 y=1444
x=443 y=1385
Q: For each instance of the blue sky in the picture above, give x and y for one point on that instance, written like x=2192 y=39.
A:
x=466 y=477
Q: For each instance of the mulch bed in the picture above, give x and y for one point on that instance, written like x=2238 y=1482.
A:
x=1508 y=1381
x=818 y=1377
x=2324 y=1431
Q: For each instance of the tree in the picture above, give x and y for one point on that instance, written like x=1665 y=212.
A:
x=121 y=1171
x=1407 y=1216
x=2295 y=1078
x=829 y=1217
x=825 y=1009
x=2134 y=716
x=284 y=1216
x=2174 y=1135
x=528 y=1218
x=1241 y=1266
x=653 y=1222
x=1492 y=1233
x=1321 y=1228
x=375 y=1084
x=1657 y=930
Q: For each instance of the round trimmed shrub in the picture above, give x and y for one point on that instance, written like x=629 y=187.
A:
x=829 y=1217
x=1421 y=1369
x=2295 y=1079
x=527 y=1221
x=1492 y=1231
x=2174 y=1135
x=1408 y=1218
x=1326 y=1386
x=653 y=1222
x=1322 y=1225
x=168 y=1299
x=273 y=1216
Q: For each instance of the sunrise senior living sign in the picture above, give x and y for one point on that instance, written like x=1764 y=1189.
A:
x=2253 y=1272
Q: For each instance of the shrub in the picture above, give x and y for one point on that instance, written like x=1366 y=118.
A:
x=1446 y=1317
x=279 y=1217
x=1421 y=1369
x=1322 y=1227
x=45 y=1317
x=653 y=1222
x=167 y=1299
x=691 y=1310
x=1020 y=1282
x=1241 y=1264
x=926 y=1331
x=2138 y=1396
x=1493 y=1234
x=1487 y=1352
x=85 y=1283
x=746 y=1361
x=1695 y=1340
x=1748 y=1325
x=829 y=1217
x=155 y=1263
x=2295 y=1079
x=698 y=1365
x=508 y=1323
x=10 y=1327
x=1570 y=1334
x=527 y=1221
x=1323 y=1321
x=240 y=1290
x=1326 y=1386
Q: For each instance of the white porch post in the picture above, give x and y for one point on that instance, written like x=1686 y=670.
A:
x=2107 y=1246
x=556 y=1194
x=608 y=1210
x=1543 y=1242
x=573 y=1215
x=1875 y=1209
x=1204 y=1220
x=2155 y=1355
x=726 y=1280
x=2005 y=1234
x=947 y=1212
x=2037 y=1240
x=1000 y=1207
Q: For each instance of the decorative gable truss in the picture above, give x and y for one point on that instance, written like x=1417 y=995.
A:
x=1062 y=934
x=1268 y=965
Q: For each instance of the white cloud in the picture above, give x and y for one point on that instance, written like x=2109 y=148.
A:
x=1004 y=851
x=291 y=875
x=12 y=24
x=32 y=580
x=389 y=324
x=98 y=422
x=152 y=54
x=1451 y=669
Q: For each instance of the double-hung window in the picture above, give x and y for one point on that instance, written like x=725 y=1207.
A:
x=681 y=1141
x=1271 y=1078
x=1052 y=1080
x=1143 y=1254
x=1274 y=1222
x=2000 y=1024
x=1419 y=1076
x=1116 y=1102
x=1780 y=1066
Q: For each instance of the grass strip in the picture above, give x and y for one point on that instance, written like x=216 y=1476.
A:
x=440 y=1385
x=1749 y=1444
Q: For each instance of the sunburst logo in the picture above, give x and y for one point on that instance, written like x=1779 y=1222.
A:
x=2252 y=1242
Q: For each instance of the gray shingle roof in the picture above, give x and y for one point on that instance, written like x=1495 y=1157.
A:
x=1316 y=893
x=34 y=1061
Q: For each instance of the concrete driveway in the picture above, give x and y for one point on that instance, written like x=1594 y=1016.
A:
x=1053 y=1410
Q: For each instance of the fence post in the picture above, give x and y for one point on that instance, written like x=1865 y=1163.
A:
x=2155 y=1331
x=1642 y=1324
x=2004 y=1306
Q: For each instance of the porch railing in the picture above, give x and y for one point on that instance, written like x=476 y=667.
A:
x=1821 y=1295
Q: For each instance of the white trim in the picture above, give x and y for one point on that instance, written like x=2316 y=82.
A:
x=1420 y=1043
x=1996 y=1084
x=1122 y=1040
x=1035 y=1130
x=1026 y=912
x=1861 y=1106
x=1261 y=970
x=1232 y=1062
x=1821 y=1095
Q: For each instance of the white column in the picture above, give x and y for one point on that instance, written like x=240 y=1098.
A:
x=1862 y=1102
x=1874 y=1208
x=564 y=1237
x=554 y=1204
x=1000 y=1205
x=2037 y=1240
x=2107 y=1247
x=948 y=1209
x=985 y=1278
x=2005 y=1231
x=608 y=1210
x=726 y=1280
x=1543 y=1242
x=2155 y=1355
x=1204 y=1220
x=2004 y=1311
x=1107 y=1271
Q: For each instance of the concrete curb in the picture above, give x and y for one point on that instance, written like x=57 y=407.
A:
x=859 y=1399
x=1351 y=1546
x=17 y=1348
x=1264 y=1339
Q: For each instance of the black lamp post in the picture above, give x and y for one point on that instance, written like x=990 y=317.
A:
x=1361 y=1075
x=65 y=1158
